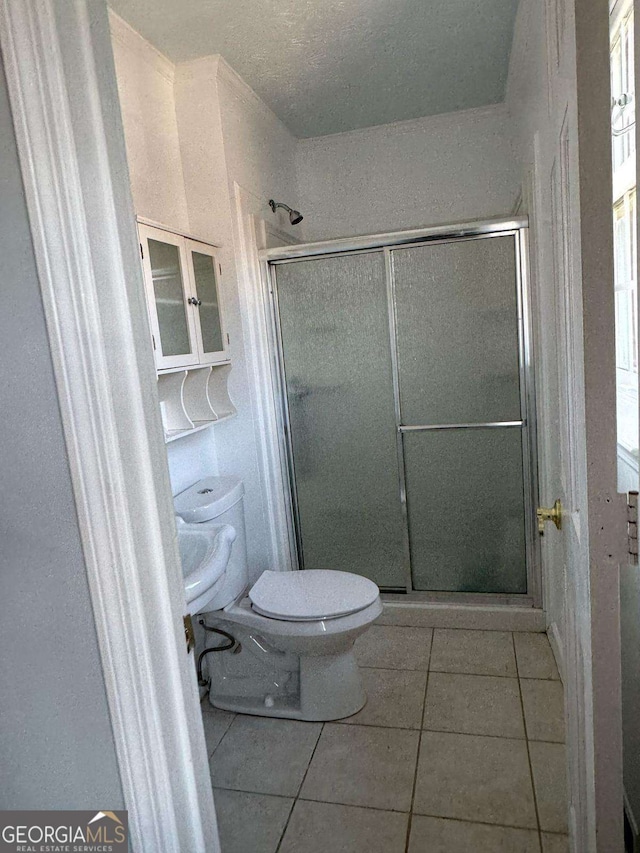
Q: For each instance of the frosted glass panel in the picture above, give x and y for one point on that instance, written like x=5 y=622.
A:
x=457 y=332
x=169 y=295
x=209 y=311
x=466 y=510
x=334 y=321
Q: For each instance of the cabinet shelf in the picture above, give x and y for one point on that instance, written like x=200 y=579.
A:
x=194 y=398
x=166 y=370
x=173 y=435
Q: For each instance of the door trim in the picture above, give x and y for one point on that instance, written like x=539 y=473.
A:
x=64 y=101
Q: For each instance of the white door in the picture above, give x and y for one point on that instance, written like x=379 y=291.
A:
x=572 y=248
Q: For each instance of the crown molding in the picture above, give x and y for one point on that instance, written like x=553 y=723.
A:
x=230 y=77
x=412 y=125
x=125 y=35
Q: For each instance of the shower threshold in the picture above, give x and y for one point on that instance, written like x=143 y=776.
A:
x=474 y=611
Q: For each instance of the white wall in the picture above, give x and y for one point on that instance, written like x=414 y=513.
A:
x=145 y=85
x=214 y=133
x=57 y=749
x=448 y=168
x=260 y=151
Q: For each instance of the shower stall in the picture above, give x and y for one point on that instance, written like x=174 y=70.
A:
x=408 y=417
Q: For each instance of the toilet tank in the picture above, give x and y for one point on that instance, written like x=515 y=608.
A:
x=220 y=499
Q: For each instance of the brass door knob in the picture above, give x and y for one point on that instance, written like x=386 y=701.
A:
x=553 y=514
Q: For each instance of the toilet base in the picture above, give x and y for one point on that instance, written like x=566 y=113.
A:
x=297 y=670
x=326 y=687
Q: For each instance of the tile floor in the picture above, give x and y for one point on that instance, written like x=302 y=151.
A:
x=459 y=748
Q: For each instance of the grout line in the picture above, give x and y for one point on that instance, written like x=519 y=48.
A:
x=313 y=752
x=286 y=823
x=475 y=734
x=477 y=822
x=483 y=674
x=453 y=672
x=450 y=672
x=536 y=678
x=441 y=731
x=458 y=628
x=387 y=810
x=415 y=772
x=524 y=719
x=391 y=668
x=377 y=725
x=295 y=799
x=222 y=738
x=254 y=793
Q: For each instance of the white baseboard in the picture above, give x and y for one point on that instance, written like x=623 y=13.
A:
x=556 y=647
x=425 y=614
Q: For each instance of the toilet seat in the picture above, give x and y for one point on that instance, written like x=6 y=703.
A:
x=311 y=595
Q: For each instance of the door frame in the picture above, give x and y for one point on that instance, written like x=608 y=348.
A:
x=65 y=106
x=514 y=226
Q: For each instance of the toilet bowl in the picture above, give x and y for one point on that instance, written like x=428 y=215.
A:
x=294 y=631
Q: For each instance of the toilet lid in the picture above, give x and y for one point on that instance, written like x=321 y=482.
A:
x=311 y=594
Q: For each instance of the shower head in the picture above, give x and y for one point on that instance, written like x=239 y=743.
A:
x=294 y=215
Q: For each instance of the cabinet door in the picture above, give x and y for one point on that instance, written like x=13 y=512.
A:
x=167 y=280
x=204 y=270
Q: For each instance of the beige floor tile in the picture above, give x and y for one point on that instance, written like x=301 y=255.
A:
x=394 y=648
x=543 y=709
x=394 y=698
x=216 y=723
x=474 y=652
x=473 y=704
x=535 y=657
x=264 y=755
x=475 y=778
x=555 y=843
x=322 y=827
x=363 y=766
x=250 y=823
x=436 y=835
x=548 y=762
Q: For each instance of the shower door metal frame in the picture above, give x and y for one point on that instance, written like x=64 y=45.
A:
x=516 y=227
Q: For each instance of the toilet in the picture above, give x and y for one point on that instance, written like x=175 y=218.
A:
x=294 y=630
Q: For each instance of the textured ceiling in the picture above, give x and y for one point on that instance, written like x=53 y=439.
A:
x=325 y=66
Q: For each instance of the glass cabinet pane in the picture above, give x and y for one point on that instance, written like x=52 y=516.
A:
x=204 y=272
x=168 y=288
x=465 y=500
x=457 y=320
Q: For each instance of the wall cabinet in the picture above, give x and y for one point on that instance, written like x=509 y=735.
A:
x=182 y=286
x=181 y=277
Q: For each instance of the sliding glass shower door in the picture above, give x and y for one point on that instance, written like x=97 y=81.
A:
x=460 y=414
x=339 y=388
x=406 y=413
